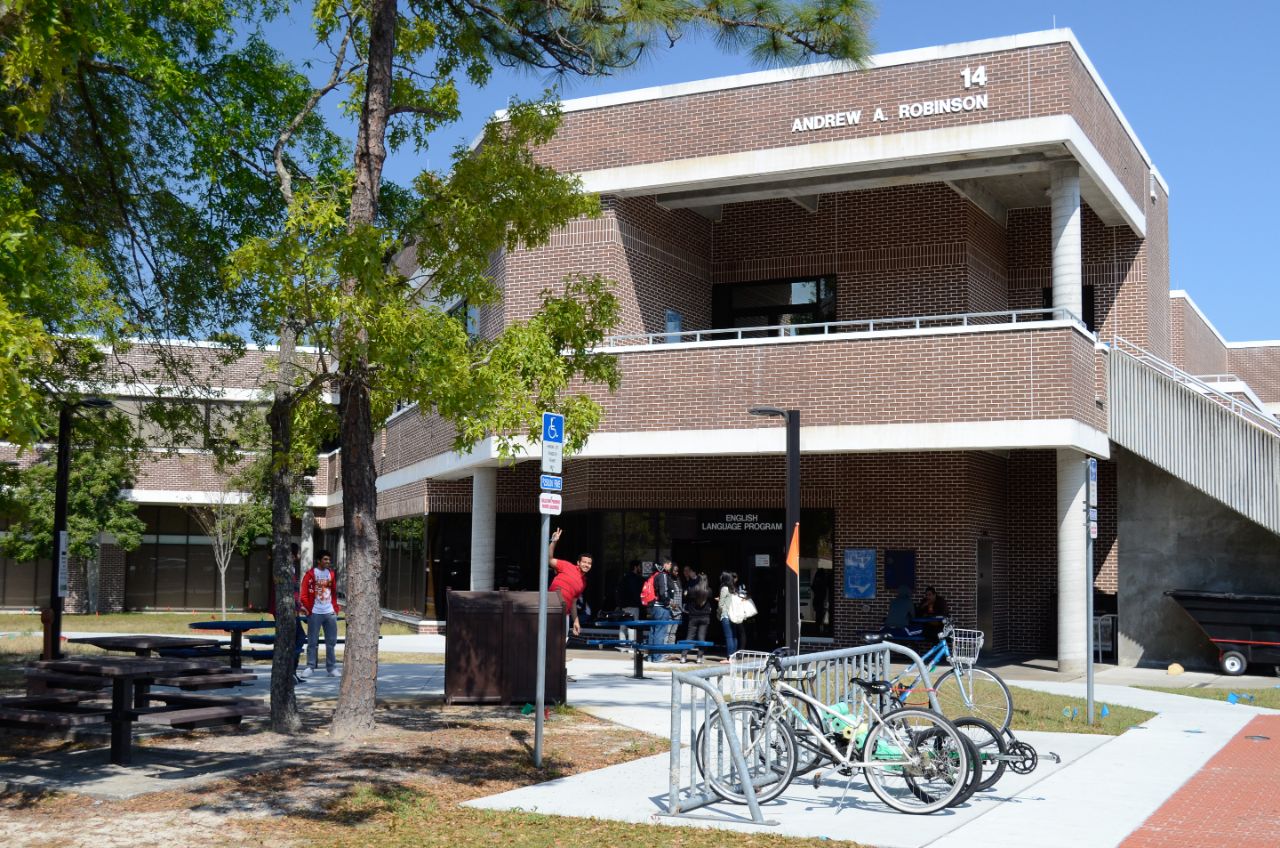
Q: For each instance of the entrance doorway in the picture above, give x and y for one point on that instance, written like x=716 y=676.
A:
x=985 y=601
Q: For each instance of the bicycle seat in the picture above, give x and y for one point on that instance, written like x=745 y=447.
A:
x=873 y=687
x=873 y=638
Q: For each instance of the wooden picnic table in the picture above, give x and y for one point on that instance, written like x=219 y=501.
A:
x=237 y=628
x=144 y=646
x=131 y=679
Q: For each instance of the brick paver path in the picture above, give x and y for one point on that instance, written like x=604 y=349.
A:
x=1233 y=801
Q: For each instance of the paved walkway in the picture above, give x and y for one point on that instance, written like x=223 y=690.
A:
x=1234 y=800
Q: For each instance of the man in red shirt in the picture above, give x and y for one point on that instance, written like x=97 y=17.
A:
x=570 y=580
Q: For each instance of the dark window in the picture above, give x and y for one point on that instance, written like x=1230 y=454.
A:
x=469 y=316
x=1086 y=303
x=810 y=300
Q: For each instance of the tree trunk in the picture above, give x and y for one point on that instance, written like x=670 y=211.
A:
x=284 y=657
x=358 y=694
x=222 y=576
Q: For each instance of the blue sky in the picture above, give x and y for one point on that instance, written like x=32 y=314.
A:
x=1196 y=83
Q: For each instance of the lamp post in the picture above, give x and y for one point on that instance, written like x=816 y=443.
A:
x=791 y=543
x=58 y=578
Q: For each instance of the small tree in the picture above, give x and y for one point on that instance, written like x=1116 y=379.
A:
x=232 y=521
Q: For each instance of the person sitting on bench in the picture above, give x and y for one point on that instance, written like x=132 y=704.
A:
x=897 y=624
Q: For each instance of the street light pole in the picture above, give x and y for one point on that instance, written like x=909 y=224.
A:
x=58 y=574
x=58 y=577
x=791 y=530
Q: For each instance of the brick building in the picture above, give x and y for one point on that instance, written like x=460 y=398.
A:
x=955 y=264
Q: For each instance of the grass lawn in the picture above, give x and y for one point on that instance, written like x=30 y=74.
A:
x=1269 y=698
x=401 y=787
x=1034 y=710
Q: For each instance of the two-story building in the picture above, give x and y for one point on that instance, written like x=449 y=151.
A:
x=954 y=264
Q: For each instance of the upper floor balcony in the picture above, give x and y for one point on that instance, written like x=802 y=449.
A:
x=973 y=381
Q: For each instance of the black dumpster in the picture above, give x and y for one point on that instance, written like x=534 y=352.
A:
x=491 y=649
x=1244 y=628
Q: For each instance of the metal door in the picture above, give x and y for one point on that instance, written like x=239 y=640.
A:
x=985 y=601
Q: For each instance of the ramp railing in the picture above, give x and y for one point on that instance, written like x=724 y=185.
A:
x=696 y=695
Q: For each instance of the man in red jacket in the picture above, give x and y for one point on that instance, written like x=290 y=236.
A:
x=319 y=597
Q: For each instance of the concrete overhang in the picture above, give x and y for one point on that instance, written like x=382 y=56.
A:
x=1000 y=166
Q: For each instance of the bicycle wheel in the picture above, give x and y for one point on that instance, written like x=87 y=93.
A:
x=768 y=746
x=915 y=761
x=991 y=746
x=974 y=692
x=809 y=752
x=938 y=742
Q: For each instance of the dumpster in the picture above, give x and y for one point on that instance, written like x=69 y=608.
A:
x=490 y=654
x=1244 y=628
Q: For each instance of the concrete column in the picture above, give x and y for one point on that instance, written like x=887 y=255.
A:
x=1068 y=278
x=307 y=541
x=1072 y=568
x=484 y=525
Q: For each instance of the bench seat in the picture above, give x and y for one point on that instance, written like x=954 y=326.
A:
x=182 y=699
x=205 y=716
x=193 y=682
x=186 y=653
x=58 y=680
x=51 y=711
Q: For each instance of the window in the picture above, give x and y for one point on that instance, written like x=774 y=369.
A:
x=810 y=300
x=469 y=316
x=674 y=323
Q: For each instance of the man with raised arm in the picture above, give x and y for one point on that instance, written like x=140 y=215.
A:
x=570 y=579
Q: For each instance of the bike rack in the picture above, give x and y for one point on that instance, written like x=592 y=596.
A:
x=697 y=693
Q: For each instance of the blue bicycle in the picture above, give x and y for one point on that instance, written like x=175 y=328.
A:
x=962 y=690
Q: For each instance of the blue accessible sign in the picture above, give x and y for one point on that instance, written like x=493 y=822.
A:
x=551 y=483
x=552 y=442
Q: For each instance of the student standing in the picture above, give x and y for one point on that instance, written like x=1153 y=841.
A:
x=570 y=580
x=319 y=597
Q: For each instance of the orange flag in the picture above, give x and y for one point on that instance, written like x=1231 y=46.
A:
x=793 y=550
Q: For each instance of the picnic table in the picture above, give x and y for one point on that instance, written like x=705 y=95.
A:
x=132 y=701
x=144 y=646
x=237 y=628
x=641 y=648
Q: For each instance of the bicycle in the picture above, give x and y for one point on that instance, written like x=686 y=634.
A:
x=914 y=760
x=964 y=689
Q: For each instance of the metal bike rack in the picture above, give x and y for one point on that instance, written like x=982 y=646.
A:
x=696 y=694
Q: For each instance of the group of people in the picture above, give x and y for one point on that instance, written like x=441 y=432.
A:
x=682 y=597
x=906 y=620
x=316 y=594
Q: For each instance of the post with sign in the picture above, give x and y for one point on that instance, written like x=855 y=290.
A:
x=1091 y=533
x=549 y=504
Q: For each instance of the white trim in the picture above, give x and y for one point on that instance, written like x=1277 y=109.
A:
x=144 y=343
x=882 y=60
x=838 y=438
x=839 y=157
x=1183 y=294
x=189 y=497
x=1273 y=408
x=144 y=390
x=326 y=500
x=838 y=336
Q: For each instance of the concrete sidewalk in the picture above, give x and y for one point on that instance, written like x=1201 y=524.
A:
x=1102 y=791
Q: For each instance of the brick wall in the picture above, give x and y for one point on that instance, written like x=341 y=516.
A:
x=992 y=376
x=1023 y=83
x=1196 y=348
x=1033 y=551
x=1259 y=367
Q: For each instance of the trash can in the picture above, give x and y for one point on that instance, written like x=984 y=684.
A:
x=491 y=649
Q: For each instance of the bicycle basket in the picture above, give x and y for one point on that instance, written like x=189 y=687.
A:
x=748 y=674
x=965 y=645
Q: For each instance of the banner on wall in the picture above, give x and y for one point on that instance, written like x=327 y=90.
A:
x=859 y=573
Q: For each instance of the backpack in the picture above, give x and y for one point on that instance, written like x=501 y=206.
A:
x=647 y=593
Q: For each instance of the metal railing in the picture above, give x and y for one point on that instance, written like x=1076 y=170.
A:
x=1202 y=436
x=1201 y=384
x=694 y=695
x=986 y=320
